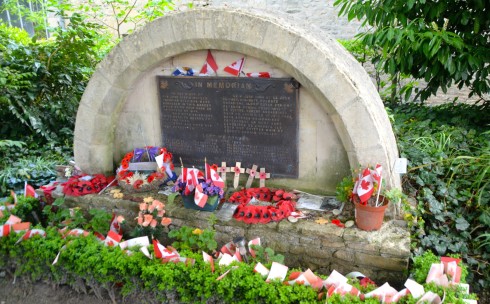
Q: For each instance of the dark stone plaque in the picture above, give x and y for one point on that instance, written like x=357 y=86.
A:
x=250 y=120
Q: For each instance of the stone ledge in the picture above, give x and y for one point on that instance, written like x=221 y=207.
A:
x=382 y=255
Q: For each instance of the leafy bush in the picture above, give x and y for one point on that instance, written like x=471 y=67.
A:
x=43 y=80
x=448 y=148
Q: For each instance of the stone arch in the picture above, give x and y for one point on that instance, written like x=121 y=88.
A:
x=315 y=60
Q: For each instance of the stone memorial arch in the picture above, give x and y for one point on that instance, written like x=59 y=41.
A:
x=117 y=112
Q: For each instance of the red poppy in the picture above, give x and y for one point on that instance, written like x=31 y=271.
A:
x=338 y=223
x=214 y=167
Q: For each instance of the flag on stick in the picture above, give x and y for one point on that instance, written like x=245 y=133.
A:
x=209 y=65
x=199 y=197
x=235 y=68
x=183 y=71
x=365 y=186
x=259 y=75
x=29 y=190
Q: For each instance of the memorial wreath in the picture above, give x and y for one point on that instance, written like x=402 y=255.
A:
x=282 y=205
x=135 y=181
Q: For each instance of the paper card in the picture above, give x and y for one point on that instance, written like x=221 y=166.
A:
x=146 y=252
x=334 y=279
x=415 y=288
x=226 y=259
x=208 y=259
x=225 y=213
x=402 y=293
x=430 y=297
x=466 y=287
x=13 y=220
x=142 y=241
x=382 y=291
x=400 y=166
x=256 y=242
x=21 y=226
x=453 y=271
x=278 y=271
x=436 y=271
x=261 y=269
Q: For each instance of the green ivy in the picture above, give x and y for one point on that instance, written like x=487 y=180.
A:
x=448 y=148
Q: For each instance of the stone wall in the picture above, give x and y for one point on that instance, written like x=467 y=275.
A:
x=381 y=255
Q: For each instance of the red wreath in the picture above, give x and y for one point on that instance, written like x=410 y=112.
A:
x=283 y=205
x=77 y=185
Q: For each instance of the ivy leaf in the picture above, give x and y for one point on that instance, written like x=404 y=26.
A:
x=485 y=218
x=462 y=224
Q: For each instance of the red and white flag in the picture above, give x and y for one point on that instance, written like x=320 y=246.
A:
x=29 y=190
x=4 y=230
x=199 y=197
x=115 y=226
x=259 y=75
x=190 y=176
x=235 y=68
x=209 y=66
x=112 y=239
x=365 y=186
x=214 y=177
x=376 y=173
x=161 y=252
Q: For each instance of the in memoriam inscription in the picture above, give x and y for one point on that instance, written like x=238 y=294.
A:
x=250 y=120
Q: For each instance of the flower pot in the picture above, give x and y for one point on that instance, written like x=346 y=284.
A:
x=211 y=204
x=370 y=218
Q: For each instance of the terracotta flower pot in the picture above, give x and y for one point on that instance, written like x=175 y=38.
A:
x=370 y=218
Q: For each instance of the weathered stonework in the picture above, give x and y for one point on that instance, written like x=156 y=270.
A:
x=344 y=102
x=381 y=255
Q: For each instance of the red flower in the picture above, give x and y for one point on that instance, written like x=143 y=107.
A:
x=214 y=167
x=137 y=184
x=337 y=223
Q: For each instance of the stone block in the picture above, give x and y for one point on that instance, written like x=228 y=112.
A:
x=376 y=261
x=345 y=255
x=324 y=231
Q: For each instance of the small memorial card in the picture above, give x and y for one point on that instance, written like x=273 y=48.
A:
x=226 y=212
x=400 y=166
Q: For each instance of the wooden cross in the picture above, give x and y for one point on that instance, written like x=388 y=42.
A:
x=237 y=170
x=262 y=175
x=222 y=170
x=252 y=173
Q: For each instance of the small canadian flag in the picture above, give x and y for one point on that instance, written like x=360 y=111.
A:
x=199 y=197
x=259 y=75
x=235 y=68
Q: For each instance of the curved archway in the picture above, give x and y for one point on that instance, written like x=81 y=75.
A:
x=319 y=63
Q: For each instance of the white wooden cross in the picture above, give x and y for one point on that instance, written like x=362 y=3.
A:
x=262 y=175
x=252 y=173
x=223 y=170
x=237 y=170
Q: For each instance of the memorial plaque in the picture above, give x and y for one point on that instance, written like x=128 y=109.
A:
x=249 y=120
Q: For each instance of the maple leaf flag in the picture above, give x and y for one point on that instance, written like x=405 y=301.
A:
x=235 y=68
x=29 y=190
x=199 y=197
x=376 y=173
x=209 y=65
x=115 y=225
x=365 y=187
x=214 y=177
x=259 y=75
x=190 y=176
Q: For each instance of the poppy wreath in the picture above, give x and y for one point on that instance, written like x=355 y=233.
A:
x=136 y=182
x=282 y=205
x=85 y=184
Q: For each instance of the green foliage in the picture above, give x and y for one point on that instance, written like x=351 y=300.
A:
x=266 y=255
x=442 y=42
x=449 y=160
x=100 y=221
x=343 y=190
x=43 y=81
x=37 y=171
x=29 y=209
x=59 y=216
x=193 y=239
